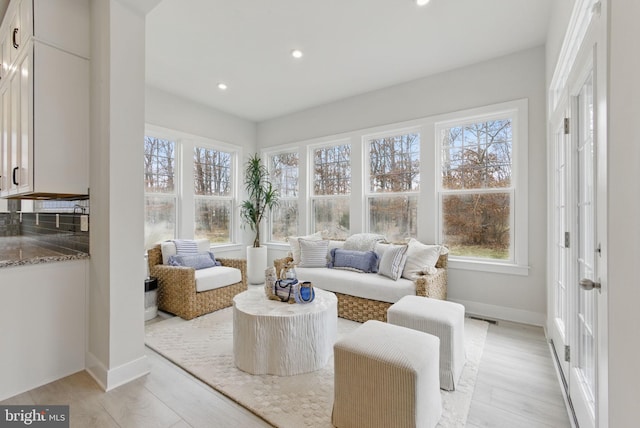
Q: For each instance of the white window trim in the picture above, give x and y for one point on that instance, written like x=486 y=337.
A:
x=324 y=143
x=267 y=155
x=518 y=110
x=184 y=181
x=366 y=155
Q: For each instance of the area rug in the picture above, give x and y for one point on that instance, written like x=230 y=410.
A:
x=204 y=347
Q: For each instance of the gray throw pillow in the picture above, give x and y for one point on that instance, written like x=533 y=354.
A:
x=196 y=261
x=360 y=261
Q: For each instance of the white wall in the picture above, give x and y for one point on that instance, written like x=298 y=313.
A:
x=179 y=114
x=42 y=324
x=521 y=75
x=115 y=351
x=173 y=112
x=623 y=214
x=558 y=23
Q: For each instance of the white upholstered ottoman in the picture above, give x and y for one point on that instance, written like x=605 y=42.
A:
x=440 y=318
x=386 y=376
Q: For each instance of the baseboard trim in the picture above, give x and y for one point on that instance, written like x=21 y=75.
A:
x=110 y=379
x=502 y=313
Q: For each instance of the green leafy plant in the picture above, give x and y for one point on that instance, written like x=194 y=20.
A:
x=262 y=196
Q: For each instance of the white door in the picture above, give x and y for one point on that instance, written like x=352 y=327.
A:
x=575 y=247
x=560 y=191
x=584 y=333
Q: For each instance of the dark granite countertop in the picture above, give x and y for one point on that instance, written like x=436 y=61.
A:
x=24 y=250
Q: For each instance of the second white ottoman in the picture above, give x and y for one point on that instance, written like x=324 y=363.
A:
x=386 y=376
x=440 y=318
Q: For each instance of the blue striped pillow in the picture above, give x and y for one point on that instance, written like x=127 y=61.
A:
x=186 y=246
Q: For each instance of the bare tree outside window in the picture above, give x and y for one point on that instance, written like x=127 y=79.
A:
x=284 y=172
x=212 y=173
x=159 y=188
x=477 y=193
x=394 y=182
x=331 y=190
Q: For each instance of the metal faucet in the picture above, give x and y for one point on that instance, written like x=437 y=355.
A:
x=78 y=206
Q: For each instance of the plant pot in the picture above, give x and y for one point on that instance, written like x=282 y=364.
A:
x=256 y=264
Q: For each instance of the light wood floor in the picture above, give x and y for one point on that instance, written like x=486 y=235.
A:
x=516 y=387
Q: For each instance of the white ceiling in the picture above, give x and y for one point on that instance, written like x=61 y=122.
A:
x=350 y=46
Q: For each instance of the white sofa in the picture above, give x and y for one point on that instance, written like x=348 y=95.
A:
x=365 y=296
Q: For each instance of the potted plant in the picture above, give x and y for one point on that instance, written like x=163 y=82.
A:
x=262 y=198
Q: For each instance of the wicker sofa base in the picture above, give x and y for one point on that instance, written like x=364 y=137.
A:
x=360 y=309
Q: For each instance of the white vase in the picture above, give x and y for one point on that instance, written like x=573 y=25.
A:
x=256 y=264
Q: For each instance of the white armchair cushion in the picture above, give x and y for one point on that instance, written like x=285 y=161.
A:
x=216 y=277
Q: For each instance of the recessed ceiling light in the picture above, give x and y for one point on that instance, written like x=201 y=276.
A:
x=222 y=86
x=422 y=2
x=296 y=53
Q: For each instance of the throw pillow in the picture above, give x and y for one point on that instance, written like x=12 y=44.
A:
x=392 y=262
x=359 y=261
x=421 y=259
x=196 y=261
x=363 y=241
x=313 y=254
x=295 y=244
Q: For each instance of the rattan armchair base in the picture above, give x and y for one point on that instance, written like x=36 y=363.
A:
x=177 y=288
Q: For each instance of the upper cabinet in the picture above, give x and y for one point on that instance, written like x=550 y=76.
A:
x=44 y=99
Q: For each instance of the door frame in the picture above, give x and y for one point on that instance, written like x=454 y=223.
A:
x=588 y=30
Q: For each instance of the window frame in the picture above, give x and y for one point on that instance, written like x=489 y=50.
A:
x=233 y=185
x=175 y=195
x=296 y=200
x=368 y=195
x=518 y=112
x=311 y=196
x=184 y=183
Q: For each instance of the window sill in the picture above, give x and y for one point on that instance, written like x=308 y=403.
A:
x=223 y=248
x=486 y=266
x=282 y=246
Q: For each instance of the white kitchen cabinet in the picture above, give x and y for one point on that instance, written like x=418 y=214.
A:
x=45 y=153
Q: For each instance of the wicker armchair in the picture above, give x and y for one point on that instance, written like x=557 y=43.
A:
x=360 y=309
x=177 y=287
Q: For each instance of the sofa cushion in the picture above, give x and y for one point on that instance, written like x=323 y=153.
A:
x=313 y=254
x=393 y=261
x=294 y=243
x=365 y=285
x=359 y=261
x=363 y=241
x=216 y=277
x=421 y=259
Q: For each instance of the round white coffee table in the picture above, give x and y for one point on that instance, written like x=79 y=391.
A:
x=271 y=337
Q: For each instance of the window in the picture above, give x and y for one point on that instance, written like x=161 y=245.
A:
x=284 y=172
x=190 y=188
x=331 y=190
x=213 y=195
x=394 y=183
x=159 y=190
x=477 y=187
